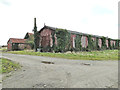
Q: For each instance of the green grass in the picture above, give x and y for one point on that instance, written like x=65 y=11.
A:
x=94 y=55
x=3 y=49
x=8 y=66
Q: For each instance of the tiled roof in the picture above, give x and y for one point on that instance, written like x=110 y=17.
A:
x=17 y=40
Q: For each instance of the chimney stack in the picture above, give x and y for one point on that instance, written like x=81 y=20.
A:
x=34 y=22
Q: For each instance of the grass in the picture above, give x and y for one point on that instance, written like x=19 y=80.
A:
x=94 y=55
x=8 y=66
x=3 y=49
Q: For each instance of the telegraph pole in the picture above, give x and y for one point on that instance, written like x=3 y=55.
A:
x=35 y=35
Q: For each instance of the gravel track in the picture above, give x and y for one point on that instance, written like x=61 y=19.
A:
x=62 y=73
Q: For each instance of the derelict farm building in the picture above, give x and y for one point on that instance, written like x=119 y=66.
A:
x=17 y=44
x=20 y=44
x=51 y=39
x=60 y=40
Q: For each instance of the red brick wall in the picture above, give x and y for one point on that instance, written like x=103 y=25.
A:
x=73 y=40
x=55 y=39
x=9 y=46
x=46 y=38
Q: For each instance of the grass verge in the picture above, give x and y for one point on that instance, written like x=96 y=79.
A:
x=94 y=55
x=3 y=49
x=8 y=66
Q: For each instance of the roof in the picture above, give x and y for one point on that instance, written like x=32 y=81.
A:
x=72 y=32
x=17 y=40
x=30 y=34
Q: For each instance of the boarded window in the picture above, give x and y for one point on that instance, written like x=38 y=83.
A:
x=84 y=41
x=100 y=43
x=111 y=42
x=73 y=42
x=107 y=43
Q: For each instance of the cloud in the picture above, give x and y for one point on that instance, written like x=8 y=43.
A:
x=5 y=2
x=101 y=10
x=96 y=17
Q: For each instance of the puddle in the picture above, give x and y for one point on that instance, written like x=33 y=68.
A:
x=87 y=64
x=47 y=62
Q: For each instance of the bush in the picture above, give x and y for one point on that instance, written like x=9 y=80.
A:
x=31 y=44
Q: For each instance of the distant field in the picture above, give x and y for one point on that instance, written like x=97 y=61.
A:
x=94 y=55
x=7 y=65
x=3 y=49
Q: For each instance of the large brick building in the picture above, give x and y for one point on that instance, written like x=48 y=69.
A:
x=57 y=39
x=51 y=39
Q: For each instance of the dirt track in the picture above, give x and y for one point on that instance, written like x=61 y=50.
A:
x=61 y=73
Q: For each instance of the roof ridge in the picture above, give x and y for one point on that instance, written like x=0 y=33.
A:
x=17 y=38
x=71 y=31
x=74 y=32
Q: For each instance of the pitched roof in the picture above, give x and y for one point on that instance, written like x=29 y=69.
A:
x=17 y=40
x=72 y=32
x=30 y=34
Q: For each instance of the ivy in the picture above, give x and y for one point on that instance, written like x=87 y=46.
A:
x=91 y=44
x=116 y=44
x=31 y=43
x=63 y=40
x=78 y=46
x=53 y=38
x=30 y=40
x=97 y=46
x=119 y=44
x=104 y=47
x=109 y=43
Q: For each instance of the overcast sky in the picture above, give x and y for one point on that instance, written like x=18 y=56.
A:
x=98 y=17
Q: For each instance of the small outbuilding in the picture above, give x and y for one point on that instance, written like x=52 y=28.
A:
x=17 y=44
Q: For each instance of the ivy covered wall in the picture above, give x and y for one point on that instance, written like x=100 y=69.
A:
x=78 y=46
x=30 y=39
x=64 y=40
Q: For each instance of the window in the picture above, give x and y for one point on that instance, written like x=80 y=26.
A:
x=73 y=42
